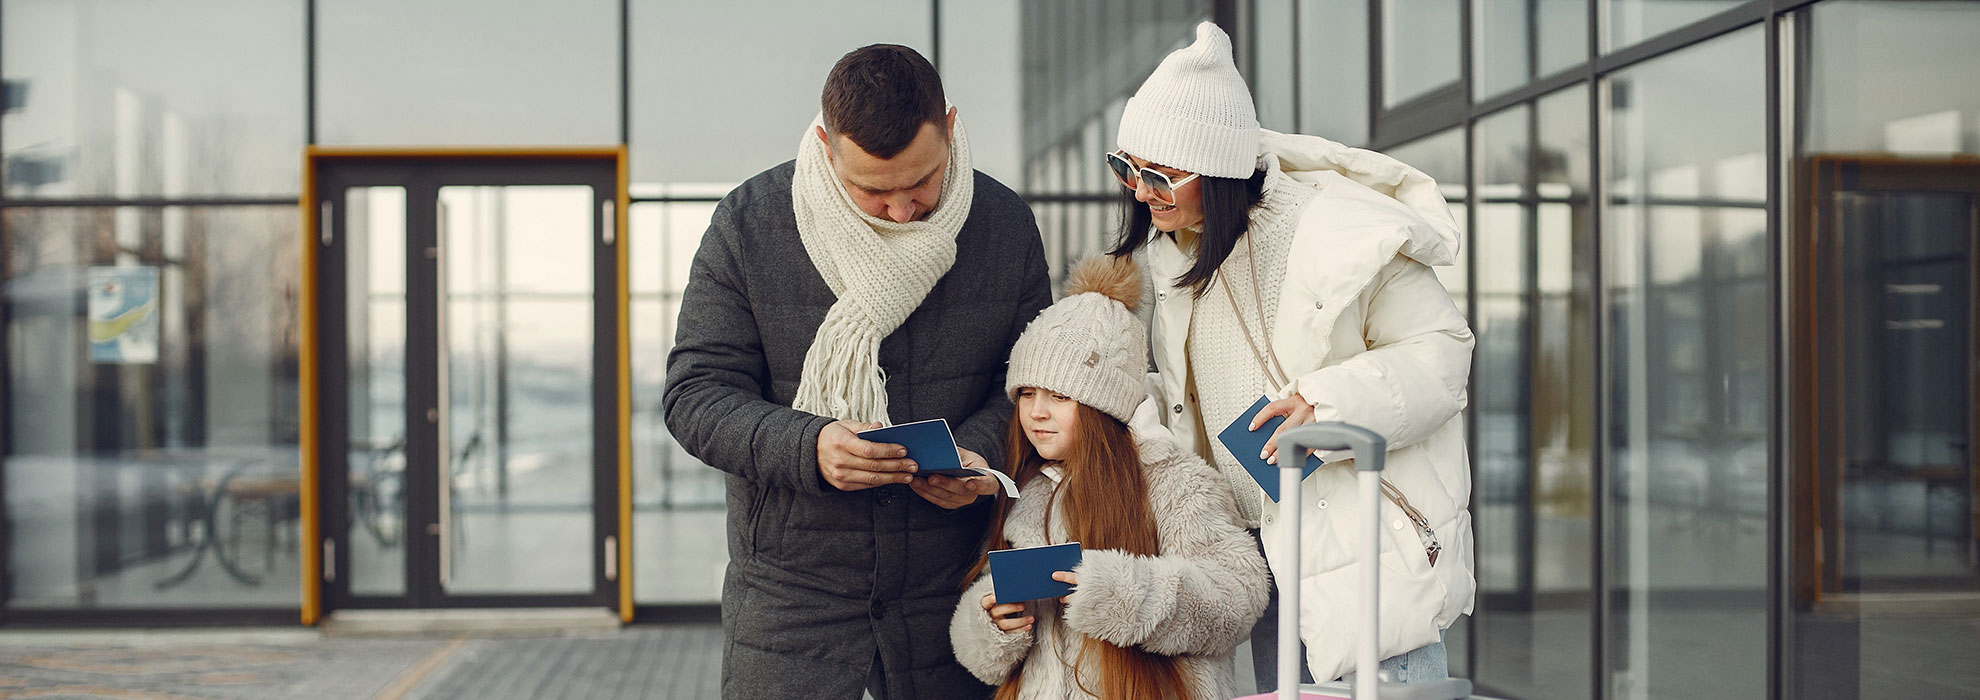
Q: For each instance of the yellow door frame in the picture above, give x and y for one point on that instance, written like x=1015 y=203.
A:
x=312 y=535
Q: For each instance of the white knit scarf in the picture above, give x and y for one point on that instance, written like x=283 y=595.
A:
x=879 y=270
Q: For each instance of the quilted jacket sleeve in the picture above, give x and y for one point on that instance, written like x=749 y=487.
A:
x=1411 y=379
x=717 y=376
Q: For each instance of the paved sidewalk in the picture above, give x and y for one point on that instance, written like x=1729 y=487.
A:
x=650 y=661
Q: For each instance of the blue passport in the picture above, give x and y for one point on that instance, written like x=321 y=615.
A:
x=929 y=443
x=933 y=449
x=1026 y=573
x=1245 y=444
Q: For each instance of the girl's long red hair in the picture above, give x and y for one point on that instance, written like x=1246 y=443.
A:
x=1106 y=507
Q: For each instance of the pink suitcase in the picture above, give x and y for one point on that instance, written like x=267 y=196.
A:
x=1370 y=451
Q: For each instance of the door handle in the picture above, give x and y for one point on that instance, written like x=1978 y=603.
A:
x=609 y=222
x=611 y=557
x=323 y=223
x=438 y=414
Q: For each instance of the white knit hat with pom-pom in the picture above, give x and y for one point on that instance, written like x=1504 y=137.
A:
x=1089 y=345
x=1194 y=113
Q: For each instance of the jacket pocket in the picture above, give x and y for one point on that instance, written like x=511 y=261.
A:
x=1401 y=535
x=756 y=498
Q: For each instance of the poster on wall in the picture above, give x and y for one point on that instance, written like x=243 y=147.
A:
x=123 y=315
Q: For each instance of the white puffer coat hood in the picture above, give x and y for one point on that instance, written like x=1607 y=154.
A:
x=1308 y=158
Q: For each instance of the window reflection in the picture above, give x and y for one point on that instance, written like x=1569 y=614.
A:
x=151 y=99
x=677 y=500
x=1632 y=21
x=690 y=126
x=151 y=456
x=1532 y=399
x=1689 y=321
x=1887 y=459
x=1420 y=41
x=449 y=72
x=1854 y=106
x=1504 y=49
x=1333 y=69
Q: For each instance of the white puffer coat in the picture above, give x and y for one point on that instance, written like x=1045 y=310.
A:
x=1369 y=336
x=1195 y=601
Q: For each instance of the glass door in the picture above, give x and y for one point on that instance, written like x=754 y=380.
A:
x=1904 y=501
x=1896 y=362
x=471 y=353
x=1885 y=513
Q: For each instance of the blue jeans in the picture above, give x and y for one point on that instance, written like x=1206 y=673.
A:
x=1426 y=663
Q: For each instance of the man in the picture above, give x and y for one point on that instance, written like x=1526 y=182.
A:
x=877 y=278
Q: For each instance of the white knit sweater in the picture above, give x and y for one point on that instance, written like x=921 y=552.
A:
x=1225 y=372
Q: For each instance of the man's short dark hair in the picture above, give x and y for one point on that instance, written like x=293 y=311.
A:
x=880 y=95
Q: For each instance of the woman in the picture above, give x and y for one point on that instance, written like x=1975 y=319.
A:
x=1167 y=584
x=1294 y=268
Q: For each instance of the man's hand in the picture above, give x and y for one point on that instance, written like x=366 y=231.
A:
x=952 y=493
x=1297 y=412
x=851 y=464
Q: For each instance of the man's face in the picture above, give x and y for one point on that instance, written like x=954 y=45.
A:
x=903 y=188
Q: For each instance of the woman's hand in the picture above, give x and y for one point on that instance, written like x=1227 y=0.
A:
x=1297 y=412
x=1067 y=577
x=1000 y=615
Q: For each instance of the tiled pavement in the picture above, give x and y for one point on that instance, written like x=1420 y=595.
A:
x=661 y=661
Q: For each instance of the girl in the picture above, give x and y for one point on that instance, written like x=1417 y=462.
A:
x=1294 y=268
x=1168 y=583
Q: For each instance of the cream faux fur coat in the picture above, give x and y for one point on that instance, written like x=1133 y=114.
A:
x=1195 y=601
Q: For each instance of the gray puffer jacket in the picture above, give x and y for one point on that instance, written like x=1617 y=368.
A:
x=823 y=584
x=1195 y=601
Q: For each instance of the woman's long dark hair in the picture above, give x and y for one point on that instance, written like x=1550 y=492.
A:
x=1227 y=203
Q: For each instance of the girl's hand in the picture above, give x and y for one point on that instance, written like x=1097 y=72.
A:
x=951 y=493
x=1000 y=615
x=1297 y=412
x=1067 y=577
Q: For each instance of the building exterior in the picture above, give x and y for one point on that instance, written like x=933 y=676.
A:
x=314 y=306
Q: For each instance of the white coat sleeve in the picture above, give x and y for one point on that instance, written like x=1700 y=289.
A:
x=1200 y=596
x=989 y=653
x=1411 y=380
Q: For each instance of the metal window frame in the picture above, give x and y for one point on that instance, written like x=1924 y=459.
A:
x=1437 y=111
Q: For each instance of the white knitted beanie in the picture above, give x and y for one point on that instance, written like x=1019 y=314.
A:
x=1195 y=113
x=1090 y=345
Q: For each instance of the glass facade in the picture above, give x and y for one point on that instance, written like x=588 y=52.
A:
x=450 y=73
x=1688 y=482
x=1685 y=271
x=1332 y=55
x=153 y=417
x=118 y=99
x=1420 y=48
x=1886 y=467
x=1720 y=256
x=1515 y=41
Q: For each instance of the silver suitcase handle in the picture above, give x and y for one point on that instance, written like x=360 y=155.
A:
x=1371 y=451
